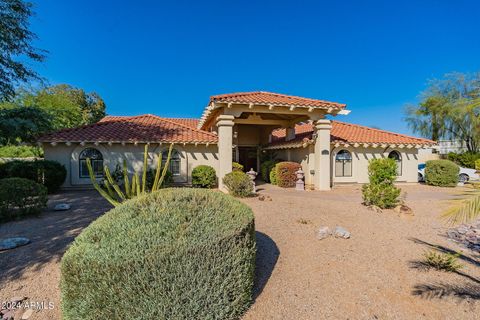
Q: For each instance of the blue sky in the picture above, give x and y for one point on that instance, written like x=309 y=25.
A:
x=168 y=57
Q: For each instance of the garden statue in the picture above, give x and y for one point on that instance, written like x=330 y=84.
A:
x=252 y=175
x=300 y=185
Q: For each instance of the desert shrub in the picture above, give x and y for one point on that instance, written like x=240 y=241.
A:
x=265 y=169
x=443 y=173
x=171 y=254
x=237 y=166
x=238 y=184
x=286 y=177
x=380 y=191
x=204 y=176
x=20 y=197
x=442 y=261
x=49 y=173
x=466 y=159
x=273 y=176
x=20 y=152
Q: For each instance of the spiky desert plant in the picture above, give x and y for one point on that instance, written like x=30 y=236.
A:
x=467 y=210
x=113 y=192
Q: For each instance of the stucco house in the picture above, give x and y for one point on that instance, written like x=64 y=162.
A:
x=238 y=127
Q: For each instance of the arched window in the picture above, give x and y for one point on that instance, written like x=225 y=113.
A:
x=395 y=155
x=175 y=159
x=343 y=164
x=96 y=159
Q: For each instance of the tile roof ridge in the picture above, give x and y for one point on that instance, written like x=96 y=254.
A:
x=181 y=124
x=381 y=130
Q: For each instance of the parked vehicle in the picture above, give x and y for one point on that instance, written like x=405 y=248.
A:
x=464 y=175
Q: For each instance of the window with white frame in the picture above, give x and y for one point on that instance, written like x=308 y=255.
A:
x=96 y=159
x=343 y=164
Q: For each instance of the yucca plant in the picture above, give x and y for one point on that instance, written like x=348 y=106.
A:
x=114 y=194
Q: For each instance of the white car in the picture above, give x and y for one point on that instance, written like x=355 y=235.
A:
x=464 y=175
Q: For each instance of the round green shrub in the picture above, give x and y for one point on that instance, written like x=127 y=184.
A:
x=21 y=197
x=380 y=191
x=273 y=176
x=49 y=173
x=443 y=173
x=172 y=254
x=237 y=166
x=238 y=184
x=204 y=176
x=265 y=169
x=286 y=177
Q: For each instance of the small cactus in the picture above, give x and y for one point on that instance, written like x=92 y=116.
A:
x=115 y=195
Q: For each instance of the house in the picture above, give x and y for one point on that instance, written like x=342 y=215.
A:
x=238 y=127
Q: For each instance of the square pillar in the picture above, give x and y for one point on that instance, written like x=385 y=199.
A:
x=322 y=155
x=225 y=142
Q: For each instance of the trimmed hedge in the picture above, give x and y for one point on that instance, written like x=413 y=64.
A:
x=273 y=176
x=172 y=254
x=238 y=184
x=204 y=176
x=286 y=177
x=381 y=191
x=21 y=197
x=265 y=169
x=49 y=173
x=443 y=173
x=466 y=159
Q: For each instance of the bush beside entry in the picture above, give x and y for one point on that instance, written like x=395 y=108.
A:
x=443 y=173
x=238 y=184
x=171 y=254
x=381 y=191
x=273 y=176
x=266 y=168
x=285 y=174
x=21 y=197
x=204 y=176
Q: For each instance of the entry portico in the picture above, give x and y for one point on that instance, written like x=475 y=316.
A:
x=234 y=117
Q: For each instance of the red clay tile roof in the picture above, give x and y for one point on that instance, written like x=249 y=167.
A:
x=262 y=97
x=143 y=128
x=347 y=133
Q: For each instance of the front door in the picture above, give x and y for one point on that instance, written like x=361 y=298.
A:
x=247 y=157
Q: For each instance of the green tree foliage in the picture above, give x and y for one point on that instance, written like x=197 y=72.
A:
x=204 y=176
x=20 y=124
x=68 y=106
x=380 y=191
x=16 y=45
x=21 y=197
x=450 y=109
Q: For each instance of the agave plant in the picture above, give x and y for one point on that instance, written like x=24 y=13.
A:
x=135 y=187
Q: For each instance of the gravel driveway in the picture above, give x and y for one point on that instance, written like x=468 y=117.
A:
x=373 y=275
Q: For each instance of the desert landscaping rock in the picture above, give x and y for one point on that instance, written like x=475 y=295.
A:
x=27 y=314
x=403 y=209
x=323 y=232
x=340 y=232
x=12 y=243
x=375 y=209
x=466 y=235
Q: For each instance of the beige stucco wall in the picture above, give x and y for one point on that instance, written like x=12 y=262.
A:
x=360 y=158
x=191 y=156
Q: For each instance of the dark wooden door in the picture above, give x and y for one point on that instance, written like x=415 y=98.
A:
x=247 y=156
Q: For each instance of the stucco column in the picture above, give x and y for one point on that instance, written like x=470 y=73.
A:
x=322 y=155
x=225 y=139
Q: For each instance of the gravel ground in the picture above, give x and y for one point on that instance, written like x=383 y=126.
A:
x=373 y=275
x=33 y=270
